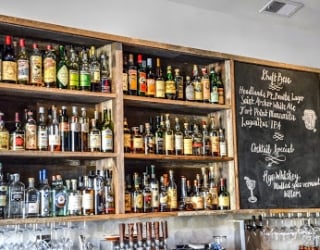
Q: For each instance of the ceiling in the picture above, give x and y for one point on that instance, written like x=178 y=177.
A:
x=307 y=18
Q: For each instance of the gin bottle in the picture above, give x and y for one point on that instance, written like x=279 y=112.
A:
x=44 y=190
x=16 y=198
x=32 y=200
x=74 y=199
x=59 y=198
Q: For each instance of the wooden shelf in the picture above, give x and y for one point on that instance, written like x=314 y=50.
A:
x=181 y=107
x=43 y=93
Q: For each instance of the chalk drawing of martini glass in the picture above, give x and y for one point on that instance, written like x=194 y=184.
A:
x=251 y=185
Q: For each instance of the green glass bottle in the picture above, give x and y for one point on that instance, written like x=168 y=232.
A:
x=62 y=70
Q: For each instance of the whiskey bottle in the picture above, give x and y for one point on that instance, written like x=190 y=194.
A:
x=221 y=98
x=197 y=198
x=42 y=131
x=74 y=76
x=179 y=84
x=94 y=137
x=149 y=146
x=74 y=199
x=205 y=82
x=36 y=66
x=9 y=63
x=189 y=90
x=154 y=186
x=128 y=194
x=84 y=131
x=75 y=131
x=126 y=136
x=150 y=79
x=84 y=71
x=30 y=132
x=204 y=189
x=59 y=198
x=54 y=132
x=16 y=194
x=178 y=138
x=224 y=196
x=32 y=199
x=62 y=69
x=187 y=140
x=206 y=143
x=22 y=64
x=160 y=83
x=105 y=79
x=137 y=196
x=94 y=68
x=132 y=76
x=170 y=86
x=168 y=137
x=44 y=192
x=64 y=130
x=196 y=81
x=17 y=137
x=87 y=196
x=3 y=194
x=125 y=75
x=107 y=132
x=4 y=134
x=159 y=136
x=137 y=141
x=172 y=193
x=142 y=76
x=50 y=68
x=147 y=194
x=214 y=138
x=196 y=141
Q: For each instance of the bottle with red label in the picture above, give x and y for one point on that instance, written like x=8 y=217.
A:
x=17 y=136
x=142 y=76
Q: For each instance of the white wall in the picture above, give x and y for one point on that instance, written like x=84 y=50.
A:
x=170 y=22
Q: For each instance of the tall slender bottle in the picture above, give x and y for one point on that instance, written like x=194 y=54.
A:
x=147 y=195
x=198 y=90
x=149 y=145
x=214 y=138
x=126 y=136
x=159 y=137
x=137 y=196
x=99 y=183
x=3 y=194
x=32 y=199
x=205 y=82
x=17 y=137
x=36 y=66
x=196 y=141
x=128 y=195
x=84 y=130
x=16 y=194
x=30 y=132
x=23 y=64
x=75 y=130
x=178 y=138
x=179 y=84
x=132 y=76
x=87 y=196
x=206 y=143
x=224 y=196
x=62 y=69
x=125 y=75
x=142 y=76
x=50 y=68
x=64 y=129
x=9 y=63
x=109 y=199
x=42 y=131
x=160 y=83
x=73 y=70
x=54 y=143
x=187 y=140
x=4 y=134
x=105 y=79
x=154 y=186
x=94 y=137
x=213 y=187
x=74 y=199
x=189 y=89
x=44 y=190
x=94 y=70
x=84 y=76
x=214 y=95
x=172 y=193
x=163 y=195
x=170 y=86
x=107 y=132
x=150 y=79
x=168 y=137
x=59 y=198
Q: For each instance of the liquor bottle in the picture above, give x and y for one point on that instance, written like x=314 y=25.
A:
x=74 y=199
x=3 y=194
x=172 y=193
x=183 y=193
x=137 y=196
x=94 y=137
x=204 y=189
x=74 y=74
x=170 y=86
x=151 y=91
x=213 y=187
x=159 y=137
x=16 y=194
x=205 y=82
x=54 y=143
x=62 y=69
x=84 y=131
x=59 y=198
x=206 y=143
x=224 y=196
x=132 y=76
x=222 y=143
x=214 y=95
x=187 y=140
x=84 y=71
x=160 y=83
x=178 y=138
x=22 y=64
x=42 y=131
x=44 y=193
x=107 y=132
x=149 y=145
x=105 y=79
x=128 y=194
x=4 y=134
x=36 y=66
x=147 y=194
x=196 y=81
x=137 y=141
x=50 y=68
x=189 y=89
x=126 y=136
x=197 y=198
x=214 y=138
x=17 y=137
x=125 y=75
x=178 y=79
x=87 y=196
x=1 y=50
x=221 y=99
x=32 y=199
x=9 y=63
x=94 y=68
x=196 y=141
x=99 y=183
x=168 y=138
x=75 y=131
x=154 y=186
x=109 y=199
x=163 y=195
x=142 y=76
x=64 y=129
x=30 y=129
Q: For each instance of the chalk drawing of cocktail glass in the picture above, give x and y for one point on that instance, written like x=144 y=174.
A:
x=251 y=185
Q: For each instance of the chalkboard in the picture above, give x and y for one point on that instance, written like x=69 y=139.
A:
x=278 y=142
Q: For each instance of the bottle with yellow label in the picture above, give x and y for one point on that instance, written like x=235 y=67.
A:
x=50 y=68
x=4 y=134
x=224 y=196
x=172 y=193
x=9 y=63
x=137 y=195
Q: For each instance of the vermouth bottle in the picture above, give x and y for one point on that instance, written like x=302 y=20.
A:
x=36 y=66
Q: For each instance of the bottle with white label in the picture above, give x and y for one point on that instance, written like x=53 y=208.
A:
x=74 y=199
x=32 y=199
x=16 y=198
x=59 y=198
x=107 y=132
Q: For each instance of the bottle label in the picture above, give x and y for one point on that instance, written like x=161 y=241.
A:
x=159 y=144
x=150 y=87
x=3 y=200
x=17 y=141
x=170 y=87
x=95 y=141
x=214 y=195
x=9 y=71
x=124 y=81
x=44 y=202
x=172 y=198
x=138 y=201
x=106 y=85
x=74 y=202
x=85 y=79
x=42 y=138
x=142 y=82
x=214 y=97
x=127 y=141
x=198 y=91
x=224 y=201
x=215 y=145
x=220 y=95
x=163 y=200
x=197 y=202
x=23 y=70
x=60 y=199
x=137 y=143
x=54 y=140
x=189 y=93
x=107 y=140
x=223 y=148
x=64 y=126
x=206 y=89
x=154 y=195
x=147 y=198
x=169 y=142
x=62 y=76
x=4 y=140
x=187 y=146
x=50 y=71
x=127 y=202
x=132 y=79
x=149 y=145
x=84 y=127
x=73 y=78
x=160 y=89
x=31 y=137
x=36 y=70
x=75 y=127
x=17 y=196
x=95 y=76
x=178 y=142
x=32 y=207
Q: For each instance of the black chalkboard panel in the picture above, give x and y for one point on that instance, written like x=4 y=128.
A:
x=277 y=117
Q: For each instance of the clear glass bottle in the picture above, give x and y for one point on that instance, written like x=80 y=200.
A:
x=147 y=195
x=142 y=76
x=30 y=132
x=54 y=143
x=32 y=200
x=50 y=68
x=160 y=83
x=178 y=138
x=154 y=186
x=4 y=134
x=213 y=187
x=16 y=194
x=107 y=132
x=222 y=143
x=189 y=89
x=105 y=81
x=149 y=145
x=150 y=79
x=159 y=136
x=205 y=82
x=132 y=76
x=172 y=193
x=214 y=95
x=74 y=199
x=36 y=66
x=84 y=71
x=163 y=195
x=109 y=200
x=178 y=79
x=9 y=63
x=170 y=86
x=23 y=64
x=42 y=131
x=59 y=198
x=95 y=70
x=94 y=137
x=3 y=194
x=75 y=131
x=187 y=140
x=84 y=131
x=44 y=193
x=17 y=137
x=206 y=142
x=87 y=196
x=196 y=141
x=137 y=196
x=126 y=136
x=62 y=69
x=196 y=81
x=99 y=183
x=197 y=198
x=204 y=189
x=74 y=74
x=168 y=137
